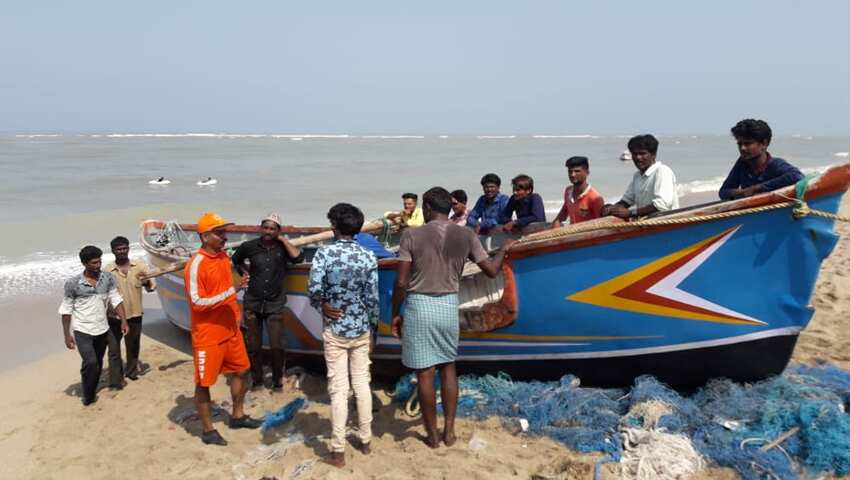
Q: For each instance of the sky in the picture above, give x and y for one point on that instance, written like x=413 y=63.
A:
x=436 y=67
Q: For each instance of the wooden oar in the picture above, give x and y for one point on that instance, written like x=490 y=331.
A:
x=377 y=225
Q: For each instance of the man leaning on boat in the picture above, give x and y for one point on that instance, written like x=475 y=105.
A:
x=756 y=171
x=653 y=187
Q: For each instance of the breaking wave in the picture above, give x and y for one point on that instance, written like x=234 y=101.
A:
x=44 y=273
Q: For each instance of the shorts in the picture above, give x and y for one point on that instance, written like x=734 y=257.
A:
x=211 y=361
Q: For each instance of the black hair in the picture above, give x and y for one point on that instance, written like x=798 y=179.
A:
x=438 y=199
x=753 y=129
x=460 y=196
x=578 y=162
x=491 y=178
x=413 y=196
x=346 y=218
x=89 y=253
x=523 y=181
x=119 y=240
x=644 y=142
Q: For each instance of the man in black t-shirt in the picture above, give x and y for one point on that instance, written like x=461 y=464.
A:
x=265 y=298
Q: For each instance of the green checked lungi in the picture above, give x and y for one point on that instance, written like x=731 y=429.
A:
x=430 y=332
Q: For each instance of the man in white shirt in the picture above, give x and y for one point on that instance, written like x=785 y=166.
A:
x=653 y=188
x=84 y=322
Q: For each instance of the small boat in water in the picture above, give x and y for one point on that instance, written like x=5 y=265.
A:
x=626 y=156
x=160 y=181
x=206 y=182
x=717 y=290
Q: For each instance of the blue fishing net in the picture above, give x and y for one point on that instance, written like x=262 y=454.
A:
x=727 y=422
x=282 y=415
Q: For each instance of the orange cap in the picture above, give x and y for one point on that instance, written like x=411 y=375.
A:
x=211 y=221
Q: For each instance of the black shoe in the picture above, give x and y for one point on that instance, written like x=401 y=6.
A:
x=213 y=438
x=133 y=377
x=245 y=422
x=89 y=401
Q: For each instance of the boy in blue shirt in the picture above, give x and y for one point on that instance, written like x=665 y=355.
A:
x=487 y=211
x=756 y=171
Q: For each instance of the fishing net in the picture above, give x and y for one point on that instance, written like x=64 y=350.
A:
x=725 y=423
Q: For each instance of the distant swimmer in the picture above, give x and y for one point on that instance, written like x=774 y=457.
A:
x=207 y=181
x=160 y=181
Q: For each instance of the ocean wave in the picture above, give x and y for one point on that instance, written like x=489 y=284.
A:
x=565 y=136
x=39 y=135
x=841 y=154
x=487 y=137
x=44 y=273
x=391 y=137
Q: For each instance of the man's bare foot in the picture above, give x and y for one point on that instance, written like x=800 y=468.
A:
x=337 y=459
x=432 y=441
x=449 y=438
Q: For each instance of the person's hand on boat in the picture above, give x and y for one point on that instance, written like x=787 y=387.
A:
x=331 y=312
x=618 y=211
x=69 y=342
x=507 y=244
x=398 y=320
x=746 y=192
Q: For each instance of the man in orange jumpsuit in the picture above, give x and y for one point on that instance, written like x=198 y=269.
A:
x=217 y=344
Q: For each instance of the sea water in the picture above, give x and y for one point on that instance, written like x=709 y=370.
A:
x=59 y=192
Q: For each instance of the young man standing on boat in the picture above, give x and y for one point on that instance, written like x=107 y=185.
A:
x=756 y=171
x=217 y=343
x=488 y=209
x=344 y=287
x=127 y=274
x=581 y=201
x=653 y=187
x=84 y=322
x=264 y=302
x=427 y=281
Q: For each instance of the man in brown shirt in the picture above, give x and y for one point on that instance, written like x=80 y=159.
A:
x=431 y=261
x=127 y=275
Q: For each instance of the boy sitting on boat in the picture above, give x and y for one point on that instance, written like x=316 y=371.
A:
x=487 y=211
x=756 y=171
x=527 y=205
x=581 y=201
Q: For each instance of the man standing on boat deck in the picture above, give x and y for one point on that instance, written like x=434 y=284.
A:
x=217 y=343
x=756 y=171
x=127 y=274
x=431 y=263
x=83 y=311
x=653 y=188
x=581 y=201
x=265 y=299
x=344 y=287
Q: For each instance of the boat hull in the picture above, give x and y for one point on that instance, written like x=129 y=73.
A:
x=685 y=302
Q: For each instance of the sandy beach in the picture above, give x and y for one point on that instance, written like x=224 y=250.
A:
x=148 y=430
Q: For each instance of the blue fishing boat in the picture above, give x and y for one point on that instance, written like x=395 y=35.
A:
x=717 y=290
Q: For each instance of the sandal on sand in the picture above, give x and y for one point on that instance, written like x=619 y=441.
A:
x=245 y=422
x=213 y=438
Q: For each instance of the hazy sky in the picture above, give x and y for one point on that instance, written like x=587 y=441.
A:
x=476 y=67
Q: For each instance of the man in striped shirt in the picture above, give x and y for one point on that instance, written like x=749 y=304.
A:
x=217 y=342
